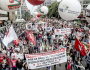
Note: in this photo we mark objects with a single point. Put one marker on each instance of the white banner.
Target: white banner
(50, 58)
(62, 31)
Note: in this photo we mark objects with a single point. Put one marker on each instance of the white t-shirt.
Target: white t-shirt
(45, 37)
(4, 51)
(14, 54)
(20, 55)
(17, 55)
(53, 36)
(61, 37)
(41, 48)
(18, 49)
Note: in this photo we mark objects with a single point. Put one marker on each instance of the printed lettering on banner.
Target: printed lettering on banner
(45, 59)
(62, 31)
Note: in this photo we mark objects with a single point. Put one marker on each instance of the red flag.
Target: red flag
(31, 38)
(79, 46)
(16, 41)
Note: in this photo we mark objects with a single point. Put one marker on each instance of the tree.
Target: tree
(27, 16)
(53, 10)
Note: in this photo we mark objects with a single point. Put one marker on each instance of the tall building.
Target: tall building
(22, 10)
(84, 4)
(3, 17)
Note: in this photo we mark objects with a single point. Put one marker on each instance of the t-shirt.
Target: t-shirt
(1, 59)
(53, 36)
(4, 52)
(13, 62)
(20, 55)
(13, 54)
(62, 38)
(18, 49)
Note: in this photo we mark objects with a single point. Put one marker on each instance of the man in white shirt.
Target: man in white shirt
(14, 53)
(61, 37)
(20, 55)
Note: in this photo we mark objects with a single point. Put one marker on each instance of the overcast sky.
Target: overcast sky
(33, 8)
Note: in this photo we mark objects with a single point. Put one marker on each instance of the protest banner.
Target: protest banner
(45, 59)
(28, 26)
(62, 31)
(49, 29)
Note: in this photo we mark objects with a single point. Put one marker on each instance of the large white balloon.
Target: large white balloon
(44, 10)
(69, 9)
(10, 5)
(87, 13)
(35, 13)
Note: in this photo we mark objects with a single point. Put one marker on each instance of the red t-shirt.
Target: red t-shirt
(69, 65)
(1, 59)
(40, 36)
(13, 62)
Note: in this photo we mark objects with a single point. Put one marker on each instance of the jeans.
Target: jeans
(19, 69)
(48, 67)
(4, 69)
(14, 68)
(88, 67)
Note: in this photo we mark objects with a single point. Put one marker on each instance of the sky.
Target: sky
(33, 8)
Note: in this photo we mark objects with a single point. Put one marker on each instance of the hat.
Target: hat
(13, 55)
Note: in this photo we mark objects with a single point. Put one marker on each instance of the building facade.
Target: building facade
(3, 17)
(84, 4)
(22, 10)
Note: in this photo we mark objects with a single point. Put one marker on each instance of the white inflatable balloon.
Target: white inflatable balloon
(88, 13)
(10, 5)
(35, 14)
(44, 10)
(69, 9)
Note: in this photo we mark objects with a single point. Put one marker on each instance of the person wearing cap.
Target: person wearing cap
(21, 55)
(19, 64)
(13, 63)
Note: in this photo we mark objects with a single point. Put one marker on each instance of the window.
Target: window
(3, 15)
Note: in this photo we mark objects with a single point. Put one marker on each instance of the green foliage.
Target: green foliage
(53, 10)
(27, 16)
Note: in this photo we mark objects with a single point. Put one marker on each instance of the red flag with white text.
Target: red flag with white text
(80, 47)
(31, 38)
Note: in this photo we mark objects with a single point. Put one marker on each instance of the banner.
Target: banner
(49, 29)
(45, 59)
(62, 31)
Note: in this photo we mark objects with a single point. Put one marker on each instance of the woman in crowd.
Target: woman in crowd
(19, 64)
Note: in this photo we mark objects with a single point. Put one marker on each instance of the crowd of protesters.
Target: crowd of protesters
(14, 56)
